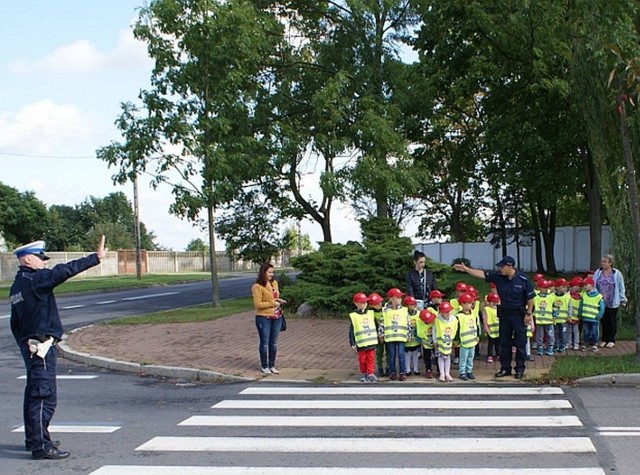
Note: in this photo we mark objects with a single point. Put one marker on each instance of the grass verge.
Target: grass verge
(199, 313)
(102, 284)
(569, 368)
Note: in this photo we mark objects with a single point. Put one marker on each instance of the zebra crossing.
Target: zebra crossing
(377, 430)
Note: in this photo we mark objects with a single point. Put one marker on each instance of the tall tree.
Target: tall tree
(204, 119)
(23, 217)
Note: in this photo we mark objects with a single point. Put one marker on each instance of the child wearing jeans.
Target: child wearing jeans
(363, 337)
(395, 330)
(468, 335)
(591, 311)
(445, 327)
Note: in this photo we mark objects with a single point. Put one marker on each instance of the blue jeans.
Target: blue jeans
(268, 331)
(465, 364)
(561, 336)
(396, 350)
(590, 331)
(549, 332)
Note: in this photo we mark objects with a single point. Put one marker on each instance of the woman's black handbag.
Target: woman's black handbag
(283, 326)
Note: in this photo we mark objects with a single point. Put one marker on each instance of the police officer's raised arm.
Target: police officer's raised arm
(479, 273)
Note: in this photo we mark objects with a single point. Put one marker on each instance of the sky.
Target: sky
(65, 68)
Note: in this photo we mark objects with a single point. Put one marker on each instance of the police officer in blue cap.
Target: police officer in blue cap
(36, 326)
(514, 313)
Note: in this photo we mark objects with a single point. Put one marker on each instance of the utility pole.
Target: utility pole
(136, 214)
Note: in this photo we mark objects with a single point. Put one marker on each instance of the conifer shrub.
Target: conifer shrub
(330, 276)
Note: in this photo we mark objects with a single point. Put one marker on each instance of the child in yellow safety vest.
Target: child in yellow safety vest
(382, 357)
(467, 334)
(412, 346)
(573, 322)
(561, 312)
(425, 329)
(491, 326)
(543, 315)
(363, 337)
(395, 331)
(591, 311)
(445, 327)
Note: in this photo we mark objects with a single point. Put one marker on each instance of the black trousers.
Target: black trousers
(609, 325)
(512, 329)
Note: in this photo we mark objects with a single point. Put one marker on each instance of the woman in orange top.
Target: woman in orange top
(267, 302)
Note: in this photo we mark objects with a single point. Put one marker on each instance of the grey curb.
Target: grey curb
(618, 379)
(189, 374)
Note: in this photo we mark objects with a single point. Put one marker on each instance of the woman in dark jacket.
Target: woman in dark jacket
(420, 281)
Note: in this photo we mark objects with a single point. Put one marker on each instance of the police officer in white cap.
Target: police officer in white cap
(36, 326)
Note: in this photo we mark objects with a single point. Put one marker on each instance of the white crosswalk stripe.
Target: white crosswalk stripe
(491, 428)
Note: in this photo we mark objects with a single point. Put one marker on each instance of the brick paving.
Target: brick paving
(311, 349)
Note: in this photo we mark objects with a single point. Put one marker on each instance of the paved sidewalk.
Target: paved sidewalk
(315, 350)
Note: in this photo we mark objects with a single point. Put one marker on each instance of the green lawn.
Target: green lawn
(570, 368)
(199, 313)
(79, 285)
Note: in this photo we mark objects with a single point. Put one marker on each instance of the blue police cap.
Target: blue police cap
(506, 261)
(36, 247)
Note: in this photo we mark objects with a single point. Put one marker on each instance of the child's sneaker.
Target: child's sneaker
(576, 347)
(471, 376)
(610, 344)
(530, 357)
(583, 348)
(463, 376)
(363, 378)
(403, 377)
(393, 376)
(539, 352)
(442, 378)
(428, 374)
(417, 373)
(489, 359)
(372, 378)
(601, 344)
(448, 377)
(594, 349)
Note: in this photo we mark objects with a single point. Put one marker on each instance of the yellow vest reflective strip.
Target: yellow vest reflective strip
(492, 321)
(468, 329)
(425, 330)
(561, 307)
(591, 307)
(543, 309)
(414, 342)
(529, 331)
(396, 324)
(364, 328)
(445, 331)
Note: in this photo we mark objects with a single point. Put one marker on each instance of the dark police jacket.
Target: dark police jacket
(34, 312)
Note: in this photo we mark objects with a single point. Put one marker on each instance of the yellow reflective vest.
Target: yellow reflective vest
(492, 321)
(561, 307)
(468, 326)
(413, 341)
(364, 328)
(543, 309)
(396, 324)
(590, 306)
(425, 330)
(445, 331)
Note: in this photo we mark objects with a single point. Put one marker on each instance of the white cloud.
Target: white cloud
(82, 56)
(45, 127)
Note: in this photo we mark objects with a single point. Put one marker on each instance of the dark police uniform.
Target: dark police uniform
(34, 315)
(514, 294)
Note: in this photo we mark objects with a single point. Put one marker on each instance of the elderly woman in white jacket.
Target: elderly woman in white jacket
(610, 283)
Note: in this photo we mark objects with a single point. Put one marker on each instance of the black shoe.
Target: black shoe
(53, 454)
(54, 443)
(471, 376)
(519, 375)
(502, 373)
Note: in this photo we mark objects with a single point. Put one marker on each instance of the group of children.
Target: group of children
(394, 336)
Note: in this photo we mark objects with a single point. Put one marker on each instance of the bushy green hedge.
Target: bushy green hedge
(330, 276)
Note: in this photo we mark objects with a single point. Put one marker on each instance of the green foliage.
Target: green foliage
(330, 276)
(461, 260)
(23, 218)
(197, 245)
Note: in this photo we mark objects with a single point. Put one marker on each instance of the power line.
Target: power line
(47, 156)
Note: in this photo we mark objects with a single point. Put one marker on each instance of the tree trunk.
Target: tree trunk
(215, 287)
(502, 225)
(548, 229)
(594, 201)
(634, 206)
(537, 239)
